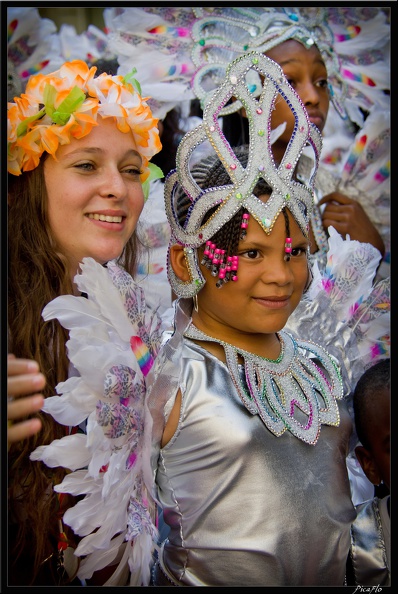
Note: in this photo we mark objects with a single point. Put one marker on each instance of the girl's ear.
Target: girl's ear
(178, 262)
(368, 464)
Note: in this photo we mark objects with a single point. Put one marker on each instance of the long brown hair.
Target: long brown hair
(37, 273)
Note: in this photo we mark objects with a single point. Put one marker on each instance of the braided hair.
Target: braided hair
(209, 173)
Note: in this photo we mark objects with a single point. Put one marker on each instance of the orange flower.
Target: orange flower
(65, 104)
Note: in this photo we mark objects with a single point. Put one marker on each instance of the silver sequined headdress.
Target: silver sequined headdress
(229, 199)
(174, 47)
(353, 43)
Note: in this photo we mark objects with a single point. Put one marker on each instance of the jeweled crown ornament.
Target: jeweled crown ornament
(228, 199)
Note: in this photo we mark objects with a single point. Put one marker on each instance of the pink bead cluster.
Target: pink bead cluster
(244, 225)
(214, 260)
(288, 248)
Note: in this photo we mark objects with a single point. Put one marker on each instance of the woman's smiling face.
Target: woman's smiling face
(94, 193)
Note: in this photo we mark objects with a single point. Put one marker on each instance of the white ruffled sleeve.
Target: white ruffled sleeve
(344, 310)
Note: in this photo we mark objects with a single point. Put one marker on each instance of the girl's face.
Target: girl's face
(267, 291)
(95, 195)
(306, 72)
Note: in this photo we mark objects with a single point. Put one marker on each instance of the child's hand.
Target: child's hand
(349, 218)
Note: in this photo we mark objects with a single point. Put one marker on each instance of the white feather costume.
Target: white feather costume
(113, 341)
(110, 465)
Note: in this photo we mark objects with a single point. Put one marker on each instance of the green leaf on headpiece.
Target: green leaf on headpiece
(23, 126)
(154, 173)
(128, 78)
(70, 104)
(49, 95)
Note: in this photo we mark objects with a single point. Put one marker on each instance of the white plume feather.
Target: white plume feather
(107, 462)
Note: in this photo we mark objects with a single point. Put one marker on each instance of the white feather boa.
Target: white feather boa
(113, 341)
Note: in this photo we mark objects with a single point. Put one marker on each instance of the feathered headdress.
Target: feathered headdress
(31, 41)
(351, 41)
(192, 47)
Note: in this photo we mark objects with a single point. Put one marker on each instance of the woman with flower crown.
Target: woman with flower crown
(79, 150)
(247, 427)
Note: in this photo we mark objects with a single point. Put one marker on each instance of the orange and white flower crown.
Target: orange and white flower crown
(65, 104)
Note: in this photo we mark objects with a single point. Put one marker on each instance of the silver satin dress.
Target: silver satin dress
(244, 507)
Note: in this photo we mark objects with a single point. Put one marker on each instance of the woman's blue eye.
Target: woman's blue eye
(86, 166)
(132, 171)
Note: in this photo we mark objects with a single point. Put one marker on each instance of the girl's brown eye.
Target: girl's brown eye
(251, 254)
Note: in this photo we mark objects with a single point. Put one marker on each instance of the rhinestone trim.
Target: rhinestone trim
(274, 389)
(287, 192)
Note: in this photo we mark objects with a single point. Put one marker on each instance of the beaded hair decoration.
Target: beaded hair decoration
(227, 200)
(66, 103)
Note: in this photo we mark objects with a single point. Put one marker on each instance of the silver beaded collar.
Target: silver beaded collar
(294, 385)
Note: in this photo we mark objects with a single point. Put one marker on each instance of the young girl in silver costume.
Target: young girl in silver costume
(252, 456)
(247, 429)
